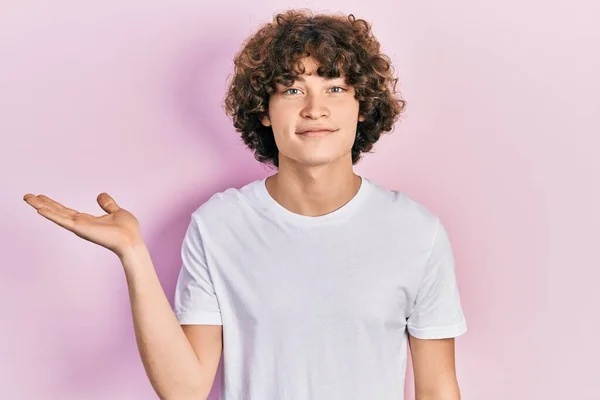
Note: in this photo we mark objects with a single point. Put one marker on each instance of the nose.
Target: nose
(315, 107)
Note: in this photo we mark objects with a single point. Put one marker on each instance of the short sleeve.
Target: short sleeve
(195, 301)
(437, 311)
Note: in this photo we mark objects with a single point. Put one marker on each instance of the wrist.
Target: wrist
(134, 254)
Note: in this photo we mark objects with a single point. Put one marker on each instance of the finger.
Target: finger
(107, 203)
(66, 210)
(58, 218)
(38, 202)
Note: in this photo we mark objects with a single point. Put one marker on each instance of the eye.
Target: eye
(287, 90)
(339, 87)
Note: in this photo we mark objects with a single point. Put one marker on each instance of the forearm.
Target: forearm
(445, 394)
(168, 357)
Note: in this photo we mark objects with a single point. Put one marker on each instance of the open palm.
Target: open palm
(116, 231)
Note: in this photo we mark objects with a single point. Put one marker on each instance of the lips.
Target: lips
(317, 132)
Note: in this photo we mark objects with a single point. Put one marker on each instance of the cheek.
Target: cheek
(349, 107)
(349, 115)
(280, 115)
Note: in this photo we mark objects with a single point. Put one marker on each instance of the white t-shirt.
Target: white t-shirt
(317, 308)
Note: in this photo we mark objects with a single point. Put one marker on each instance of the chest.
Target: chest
(319, 280)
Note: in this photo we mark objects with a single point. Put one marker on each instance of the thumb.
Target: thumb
(107, 203)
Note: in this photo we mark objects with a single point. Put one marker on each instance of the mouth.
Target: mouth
(317, 133)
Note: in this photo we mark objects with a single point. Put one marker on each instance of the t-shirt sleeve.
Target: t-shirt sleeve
(195, 301)
(437, 311)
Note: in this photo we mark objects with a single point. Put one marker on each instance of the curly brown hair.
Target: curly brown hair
(342, 46)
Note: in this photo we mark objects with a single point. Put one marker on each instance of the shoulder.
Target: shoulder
(226, 206)
(405, 212)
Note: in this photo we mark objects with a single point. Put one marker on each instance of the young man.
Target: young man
(314, 274)
(313, 282)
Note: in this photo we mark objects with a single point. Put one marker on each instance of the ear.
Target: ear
(361, 118)
(265, 120)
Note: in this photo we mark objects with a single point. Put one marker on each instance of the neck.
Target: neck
(314, 190)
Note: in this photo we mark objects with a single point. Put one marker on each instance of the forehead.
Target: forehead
(310, 66)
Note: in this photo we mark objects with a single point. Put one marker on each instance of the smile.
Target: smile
(316, 133)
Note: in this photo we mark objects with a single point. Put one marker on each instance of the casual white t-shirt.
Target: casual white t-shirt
(317, 308)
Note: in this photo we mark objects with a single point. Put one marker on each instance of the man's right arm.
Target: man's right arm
(180, 361)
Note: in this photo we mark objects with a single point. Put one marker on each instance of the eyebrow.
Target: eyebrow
(300, 78)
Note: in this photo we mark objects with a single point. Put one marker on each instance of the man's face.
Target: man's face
(313, 102)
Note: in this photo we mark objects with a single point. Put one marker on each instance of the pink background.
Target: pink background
(500, 139)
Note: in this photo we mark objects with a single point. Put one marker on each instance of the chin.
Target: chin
(316, 160)
(314, 156)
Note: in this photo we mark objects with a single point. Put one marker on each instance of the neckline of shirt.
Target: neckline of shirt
(344, 211)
